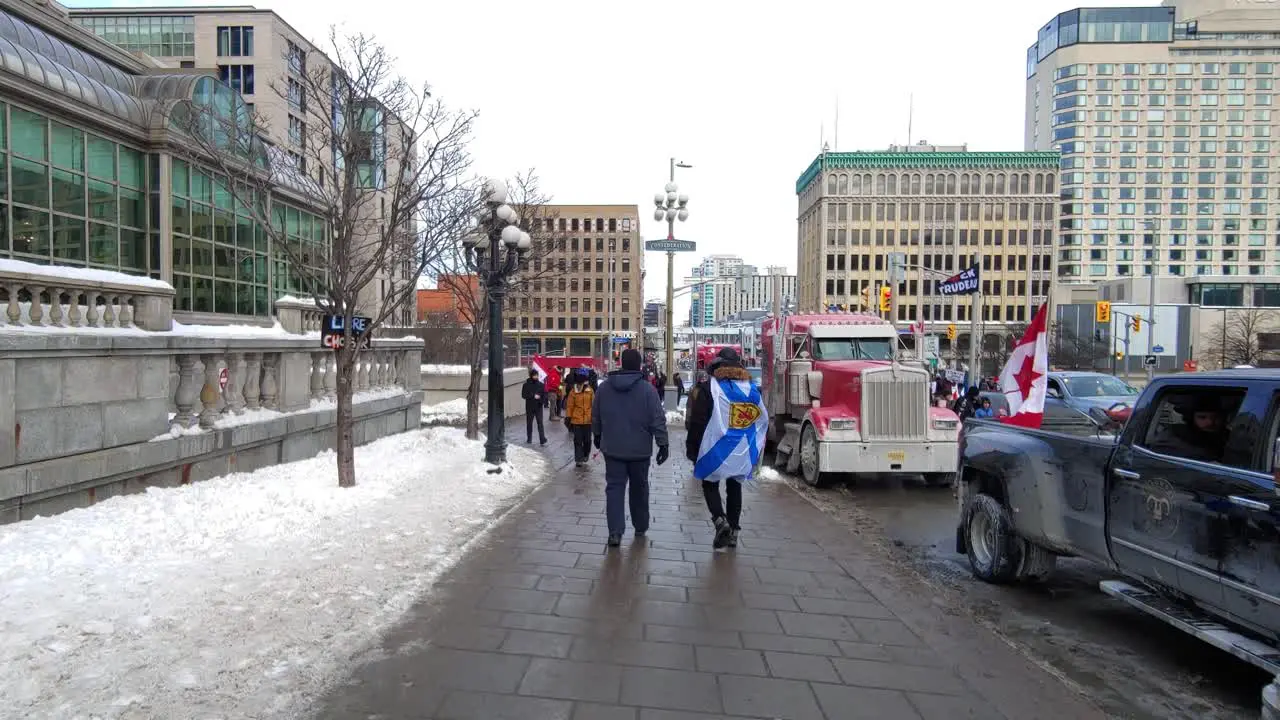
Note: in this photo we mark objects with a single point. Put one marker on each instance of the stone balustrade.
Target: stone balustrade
(299, 315)
(73, 298)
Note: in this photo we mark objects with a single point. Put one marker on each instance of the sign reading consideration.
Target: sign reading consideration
(670, 245)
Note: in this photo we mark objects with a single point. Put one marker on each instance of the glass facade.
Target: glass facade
(71, 197)
(155, 35)
(220, 253)
(1101, 25)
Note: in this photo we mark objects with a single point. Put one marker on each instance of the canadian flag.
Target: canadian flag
(1024, 379)
(540, 364)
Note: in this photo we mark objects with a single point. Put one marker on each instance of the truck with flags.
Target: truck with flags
(1180, 501)
(840, 402)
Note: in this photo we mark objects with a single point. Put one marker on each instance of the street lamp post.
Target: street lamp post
(493, 251)
(1151, 228)
(671, 206)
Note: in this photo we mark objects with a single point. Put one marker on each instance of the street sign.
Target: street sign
(1150, 360)
(897, 267)
(222, 379)
(1157, 349)
(931, 343)
(670, 245)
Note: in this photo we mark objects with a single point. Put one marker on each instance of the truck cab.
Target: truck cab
(841, 403)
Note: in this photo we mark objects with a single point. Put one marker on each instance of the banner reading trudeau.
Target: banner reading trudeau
(966, 283)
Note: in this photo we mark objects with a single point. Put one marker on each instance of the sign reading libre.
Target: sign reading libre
(331, 333)
(966, 283)
(670, 245)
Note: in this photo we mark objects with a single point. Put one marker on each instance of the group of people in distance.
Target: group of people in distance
(622, 416)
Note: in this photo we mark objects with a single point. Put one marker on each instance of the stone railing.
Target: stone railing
(299, 315)
(72, 298)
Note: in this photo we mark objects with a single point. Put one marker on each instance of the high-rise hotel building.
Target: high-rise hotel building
(1165, 118)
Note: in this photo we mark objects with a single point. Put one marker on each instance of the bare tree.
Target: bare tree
(451, 271)
(378, 158)
(999, 345)
(1235, 340)
(1070, 350)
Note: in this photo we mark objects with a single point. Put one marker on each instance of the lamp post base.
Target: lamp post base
(495, 453)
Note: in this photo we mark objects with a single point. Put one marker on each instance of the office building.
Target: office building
(583, 292)
(655, 314)
(723, 285)
(1164, 117)
(89, 179)
(940, 210)
(261, 56)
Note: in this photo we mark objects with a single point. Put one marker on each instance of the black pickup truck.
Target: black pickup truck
(1181, 503)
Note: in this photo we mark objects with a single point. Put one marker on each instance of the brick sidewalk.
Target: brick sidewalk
(541, 622)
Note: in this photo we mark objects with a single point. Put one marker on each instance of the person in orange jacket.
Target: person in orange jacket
(577, 416)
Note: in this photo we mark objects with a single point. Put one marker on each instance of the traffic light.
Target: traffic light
(866, 297)
(951, 332)
(1119, 354)
(1102, 312)
(886, 297)
(1137, 324)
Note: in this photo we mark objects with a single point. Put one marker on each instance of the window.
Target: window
(297, 58)
(297, 131)
(239, 77)
(1196, 424)
(163, 36)
(235, 41)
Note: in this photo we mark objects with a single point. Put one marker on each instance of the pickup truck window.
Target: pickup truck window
(1090, 386)
(852, 349)
(1193, 423)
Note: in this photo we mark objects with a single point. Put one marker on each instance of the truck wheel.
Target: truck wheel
(940, 480)
(1037, 564)
(994, 550)
(809, 459)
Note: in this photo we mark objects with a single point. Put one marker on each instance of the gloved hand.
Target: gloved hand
(664, 452)
(596, 439)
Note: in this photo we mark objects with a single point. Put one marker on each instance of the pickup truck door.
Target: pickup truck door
(1251, 563)
(1168, 497)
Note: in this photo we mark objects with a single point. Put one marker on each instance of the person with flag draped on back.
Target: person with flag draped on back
(726, 423)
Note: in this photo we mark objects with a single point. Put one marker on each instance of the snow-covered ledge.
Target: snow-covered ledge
(70, 297)
(298, 315)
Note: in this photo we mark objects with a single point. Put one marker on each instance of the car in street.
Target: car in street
(1085, 391)
(1181, 503)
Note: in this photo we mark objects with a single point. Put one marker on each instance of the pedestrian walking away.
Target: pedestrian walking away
(535, 396)
(581, 397)
(553, 385)
(679, 383)
(627, 420)
(727, 424)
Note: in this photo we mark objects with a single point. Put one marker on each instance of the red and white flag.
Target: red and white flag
(1025, 377)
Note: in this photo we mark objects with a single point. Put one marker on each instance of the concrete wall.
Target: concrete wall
(64, 483)
(440, 388)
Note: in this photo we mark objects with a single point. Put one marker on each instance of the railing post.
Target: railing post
(331, 376)
(317, 375)
(55, 307)
(235, 383)
(36, 313)
(184, 398)
(13, 312)
(270, 382)
(210, 395)
(252, 386)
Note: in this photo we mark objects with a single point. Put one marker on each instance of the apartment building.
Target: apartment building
(723, 285)
(943, 211)
(583, 293)
(1164, 117)
(261, 56)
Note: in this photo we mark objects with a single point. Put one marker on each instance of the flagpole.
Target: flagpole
(919, 327)
(975, 309)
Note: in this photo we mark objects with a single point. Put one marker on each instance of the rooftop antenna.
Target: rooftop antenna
(822, 137)
(911, 112)
(837, 140)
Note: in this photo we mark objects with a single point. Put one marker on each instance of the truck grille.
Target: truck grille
(895, 408)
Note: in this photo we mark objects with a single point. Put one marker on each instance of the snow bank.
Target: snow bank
(83, 274)
(675, 416)
(765, 472)
(241, 596)
(230, 419)
(446, 413)
(448, 369)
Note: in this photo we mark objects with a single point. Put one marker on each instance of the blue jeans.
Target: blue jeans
(616, 475)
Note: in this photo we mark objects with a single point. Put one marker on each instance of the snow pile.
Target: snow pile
(675, 416)
(241, 596)
(449, 370)
(86, 275)
(275, 330)
(766, 472)
(451, 412)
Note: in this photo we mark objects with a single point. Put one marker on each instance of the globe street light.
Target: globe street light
(671, 206)
(494, 251)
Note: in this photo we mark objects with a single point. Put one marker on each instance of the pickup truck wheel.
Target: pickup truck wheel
(809, 459)
(1037, 564)
(995, 552)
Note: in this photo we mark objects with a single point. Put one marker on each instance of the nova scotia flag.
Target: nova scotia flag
(735, 435)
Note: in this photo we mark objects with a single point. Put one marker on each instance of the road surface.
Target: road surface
(1132, 665)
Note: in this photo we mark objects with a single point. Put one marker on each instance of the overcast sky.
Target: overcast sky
(598, 95)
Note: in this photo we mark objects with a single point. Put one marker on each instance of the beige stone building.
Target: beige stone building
(584, 291)
(261, 56)
(1165, 119)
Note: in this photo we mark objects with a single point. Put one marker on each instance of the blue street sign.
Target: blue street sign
(1158, 349)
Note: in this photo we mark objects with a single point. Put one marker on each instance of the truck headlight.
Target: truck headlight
(843, 424)
(945, 424)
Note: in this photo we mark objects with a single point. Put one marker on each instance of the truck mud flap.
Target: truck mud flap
(1252, 651)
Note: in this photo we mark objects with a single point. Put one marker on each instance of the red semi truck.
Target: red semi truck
(840, 402)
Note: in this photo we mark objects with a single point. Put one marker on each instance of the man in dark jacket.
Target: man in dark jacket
(534, 394)
(627, 420)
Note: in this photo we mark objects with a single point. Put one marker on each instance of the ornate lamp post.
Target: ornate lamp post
(671, 206)
(494, 253)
